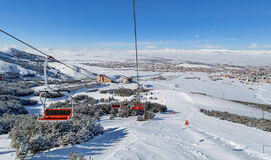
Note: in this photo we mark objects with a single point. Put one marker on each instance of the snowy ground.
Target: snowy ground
(9, 67)
(166, 136)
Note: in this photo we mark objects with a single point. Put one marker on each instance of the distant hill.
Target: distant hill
(20, 64)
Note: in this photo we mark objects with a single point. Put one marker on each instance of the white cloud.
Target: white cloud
(216, 56)
(6, 48)
(207, 46)
(196, 36)
(150, 46)
(230, 39)
(255, 45)
(266, 46)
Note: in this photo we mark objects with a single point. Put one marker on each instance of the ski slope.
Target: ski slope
(166, 136)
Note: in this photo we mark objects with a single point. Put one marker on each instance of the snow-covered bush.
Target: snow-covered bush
(17, 88)
(264, 107)
(109, 99)
(85, 99)
(84, 104)
(78, 156)
(30, 136)
(6, 120)
(23, 101)
(12, 107)
(7, 90)
(154, 107)
(87, 105)
(263, 124)
(80, 97)
(49, 94)
(123, 92)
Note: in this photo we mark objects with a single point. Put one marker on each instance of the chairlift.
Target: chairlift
(138, 106)
(53, 114)
(115, 106)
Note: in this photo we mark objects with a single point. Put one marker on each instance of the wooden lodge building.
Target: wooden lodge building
(103, 79)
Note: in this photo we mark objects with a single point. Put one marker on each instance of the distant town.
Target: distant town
(217, 72)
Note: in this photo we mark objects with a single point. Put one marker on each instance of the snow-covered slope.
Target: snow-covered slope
(20, 62)
(13, 68)
(77, 73)
(166, 136)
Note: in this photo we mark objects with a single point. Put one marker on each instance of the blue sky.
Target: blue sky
(180, 24)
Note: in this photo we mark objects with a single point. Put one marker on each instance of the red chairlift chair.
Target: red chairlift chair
(115, 106)
(57, 114)
(138, 106)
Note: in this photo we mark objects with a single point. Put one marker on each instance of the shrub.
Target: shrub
(23, 101)
(49, 94)
(263, 124)
(78, 156)
(154, 107)
(15, 91)
(90, 106)
(123, 92)
(6, 122)
(12, 107)
(30, 136)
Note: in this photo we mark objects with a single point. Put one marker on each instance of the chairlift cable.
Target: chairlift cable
(47, 55)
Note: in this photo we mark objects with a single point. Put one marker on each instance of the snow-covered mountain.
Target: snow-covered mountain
(14, 68)
(24, 64)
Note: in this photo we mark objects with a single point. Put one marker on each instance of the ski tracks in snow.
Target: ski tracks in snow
(261, 94)
(203, 143)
